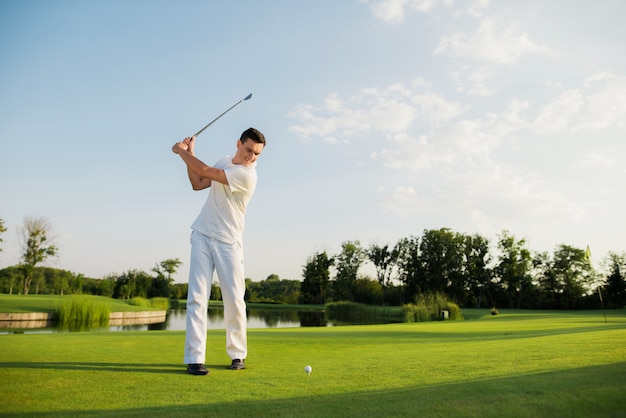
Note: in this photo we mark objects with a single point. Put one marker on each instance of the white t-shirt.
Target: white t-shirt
(222, 216)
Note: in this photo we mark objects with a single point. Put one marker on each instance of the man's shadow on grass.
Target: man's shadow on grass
(106, 367)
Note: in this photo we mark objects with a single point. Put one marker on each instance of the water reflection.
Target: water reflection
(257, 318)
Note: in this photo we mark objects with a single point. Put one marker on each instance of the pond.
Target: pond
(175, 321)
(257, 318)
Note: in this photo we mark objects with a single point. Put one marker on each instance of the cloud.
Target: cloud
(391, 110)
(556, 116)
(487, 197)
(476, 8)
(473, 80)
(393, 11)
(599, 104)
(465, 142)
(493, 42)
(492, 170)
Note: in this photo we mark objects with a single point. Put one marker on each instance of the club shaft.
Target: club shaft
(211, 123)
(225, 112)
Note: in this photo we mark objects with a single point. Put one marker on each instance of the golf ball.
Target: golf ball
(308, 369)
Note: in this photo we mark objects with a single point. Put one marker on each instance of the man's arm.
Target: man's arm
(200, 175)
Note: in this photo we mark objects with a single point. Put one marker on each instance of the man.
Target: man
(216, 245)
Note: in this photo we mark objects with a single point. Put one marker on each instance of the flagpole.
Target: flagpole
(588, 259)
(602, 302)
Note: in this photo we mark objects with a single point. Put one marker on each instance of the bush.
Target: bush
(429, 307)
(80, 313)
(160, 303)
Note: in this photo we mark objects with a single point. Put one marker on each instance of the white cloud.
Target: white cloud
(493, 41)
(392, 110)
(435, 109)
(393, 11)
(473, 80)
(477, 7)
(598, 105)
(495, 170)
(556, 117)
(467, 142)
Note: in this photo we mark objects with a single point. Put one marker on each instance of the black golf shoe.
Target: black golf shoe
(197, 369)
(238, 364)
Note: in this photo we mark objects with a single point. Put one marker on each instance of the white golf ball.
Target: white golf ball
(308, 369)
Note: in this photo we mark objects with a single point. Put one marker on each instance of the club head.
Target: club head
(248, 96)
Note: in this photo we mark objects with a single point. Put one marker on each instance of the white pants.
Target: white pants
(209, 255)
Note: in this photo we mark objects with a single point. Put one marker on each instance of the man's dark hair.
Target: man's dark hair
(253, 134)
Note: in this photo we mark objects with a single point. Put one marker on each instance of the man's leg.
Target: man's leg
(200, 277)
(229, 266)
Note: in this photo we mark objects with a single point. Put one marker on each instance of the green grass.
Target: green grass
(516, 364)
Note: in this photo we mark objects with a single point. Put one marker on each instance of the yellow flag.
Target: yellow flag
(588, 255)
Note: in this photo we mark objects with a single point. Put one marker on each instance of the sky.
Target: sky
(382, 118)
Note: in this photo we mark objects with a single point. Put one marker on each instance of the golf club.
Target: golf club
(227, 110)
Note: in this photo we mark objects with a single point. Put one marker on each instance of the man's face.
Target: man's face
(247, 152)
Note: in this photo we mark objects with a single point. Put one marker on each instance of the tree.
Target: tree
(567, 277)
(100, 287)
(408, 263)
(384, 260)
(315, 285)
(478, 273)
(164, 270)
(3, 229)
(36, 246)
(513, 269)
(441, 263)
(615, 284)
(134, 283)
(368, 291)
(274, 290)
(347, 264)
(167, 268)
(576, 273)
(10, 277)
(549, 286)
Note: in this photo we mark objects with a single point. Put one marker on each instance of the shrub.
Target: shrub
(160, 303)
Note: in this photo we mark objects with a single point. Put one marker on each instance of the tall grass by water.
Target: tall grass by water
(80, 313)
(431, 307)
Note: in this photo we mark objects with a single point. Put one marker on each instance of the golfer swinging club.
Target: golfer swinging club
(216, 245)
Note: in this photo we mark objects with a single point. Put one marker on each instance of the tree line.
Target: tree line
(463, 267)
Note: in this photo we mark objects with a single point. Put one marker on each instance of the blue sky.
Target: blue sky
(383, 118)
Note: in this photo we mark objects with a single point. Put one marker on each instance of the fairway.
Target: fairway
(518, 364)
